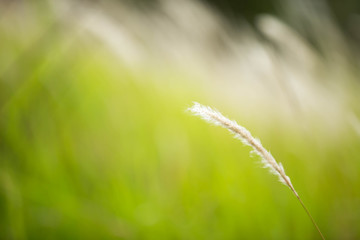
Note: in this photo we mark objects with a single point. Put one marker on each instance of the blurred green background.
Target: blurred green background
(95, 147)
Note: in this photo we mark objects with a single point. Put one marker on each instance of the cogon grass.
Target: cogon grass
(215, 117)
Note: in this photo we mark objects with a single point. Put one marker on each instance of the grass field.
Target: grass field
(91, 148)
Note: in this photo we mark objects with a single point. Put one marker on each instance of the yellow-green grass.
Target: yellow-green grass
(92, 149)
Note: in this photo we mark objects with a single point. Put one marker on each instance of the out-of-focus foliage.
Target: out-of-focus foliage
(92, 147)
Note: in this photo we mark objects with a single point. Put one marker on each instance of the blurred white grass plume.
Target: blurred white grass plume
(215, 117)
(231, 62)
(304, 82)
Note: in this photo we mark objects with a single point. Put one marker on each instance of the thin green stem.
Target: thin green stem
(308, 213)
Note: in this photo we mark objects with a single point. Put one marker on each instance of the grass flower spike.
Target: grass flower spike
(215, 117)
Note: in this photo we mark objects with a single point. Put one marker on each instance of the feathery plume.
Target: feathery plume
(215, 117)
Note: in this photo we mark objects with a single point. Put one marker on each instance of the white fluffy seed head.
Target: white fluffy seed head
(268, 161)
